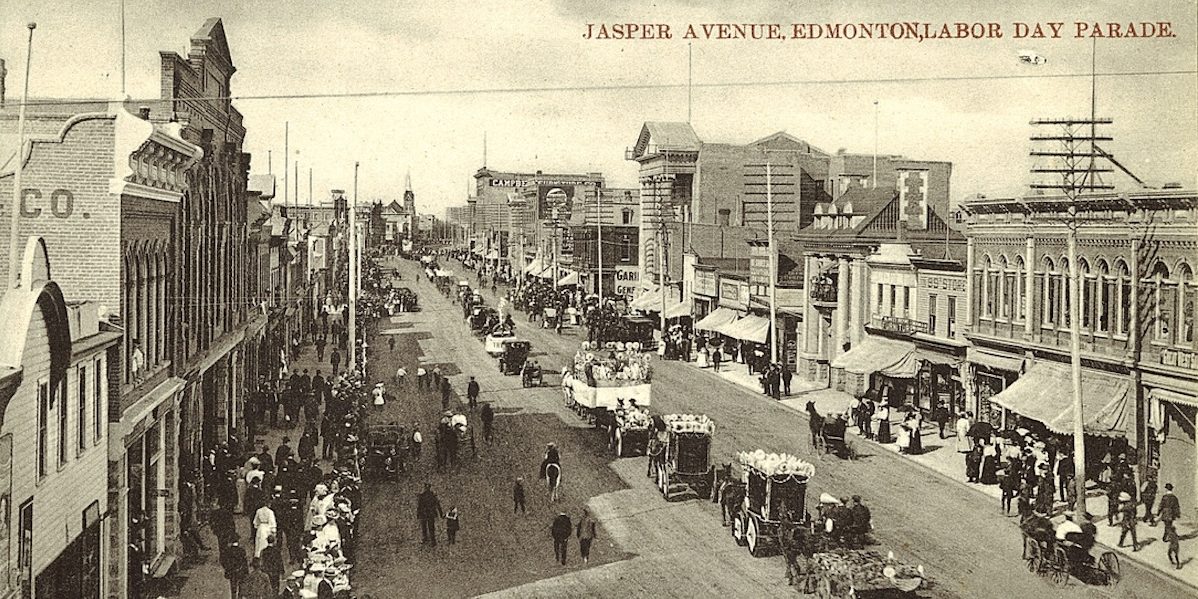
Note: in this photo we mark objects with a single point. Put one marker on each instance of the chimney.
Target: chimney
(143, 112)
(3, 74)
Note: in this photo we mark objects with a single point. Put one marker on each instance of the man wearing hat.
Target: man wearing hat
(560, 531)
(428, 511)
(234, 564)
(258, 584)
(1127, 519)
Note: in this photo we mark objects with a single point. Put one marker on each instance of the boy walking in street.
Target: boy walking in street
(518, 496)
(452, 523)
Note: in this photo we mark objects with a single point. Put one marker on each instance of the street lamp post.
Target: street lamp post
(353, 275)
(773, 268)
(599, 241)
(15, 209)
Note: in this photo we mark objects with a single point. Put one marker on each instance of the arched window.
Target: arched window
(1163, 301)
(1123, 286)
(1064, 290)
(989, 287)
(1049, 293)
(1187, 305)
(1083, 271)
(1102, 296)
(1005, 288)
(1020, 291)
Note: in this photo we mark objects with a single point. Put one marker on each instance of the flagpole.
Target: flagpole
(15, 209)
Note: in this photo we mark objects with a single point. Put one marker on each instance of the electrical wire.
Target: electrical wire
(618, 87)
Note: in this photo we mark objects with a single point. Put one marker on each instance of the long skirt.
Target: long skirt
(883, 435)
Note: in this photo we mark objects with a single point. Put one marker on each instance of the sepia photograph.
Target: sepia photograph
(383, 299)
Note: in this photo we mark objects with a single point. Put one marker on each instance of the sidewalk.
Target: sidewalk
(941, 457)
(204, 577)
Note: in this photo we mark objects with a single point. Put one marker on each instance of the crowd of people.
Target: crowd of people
(621, 365)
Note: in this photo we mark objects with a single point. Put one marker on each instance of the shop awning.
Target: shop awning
(677, 310)
(1044, 394)
(995, 361)
(717, 319)
(888, 357)
(935, 357)
(535, 267)
(647, 300)
(749, 328)
(571, 278)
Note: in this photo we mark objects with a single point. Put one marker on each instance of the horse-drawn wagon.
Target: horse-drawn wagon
(775, 488)
(861, 573)
(385, 450)
(680, 455)
(628, 428)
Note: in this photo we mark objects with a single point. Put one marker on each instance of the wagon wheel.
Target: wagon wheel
(1060, 567)
(618, 446)
(753, 538)
(1109, 563)
(824, 589)
(738, 532)
(850, 450)
(1032, 554)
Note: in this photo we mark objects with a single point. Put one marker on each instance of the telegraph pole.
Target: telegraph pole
(353, 274)
(599, 240)
(15, 208)
(773, 268)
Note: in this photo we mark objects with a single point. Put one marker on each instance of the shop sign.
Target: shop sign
(734, 294)
(628, 279)
(705, 283)
(945, 283)
(1179, 358)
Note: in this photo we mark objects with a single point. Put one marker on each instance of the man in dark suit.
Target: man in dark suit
(1170, 509)
(428, 510)
(472, 391)
(561, 530)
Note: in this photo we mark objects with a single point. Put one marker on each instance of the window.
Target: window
(43, 416)
(25, 548)
(1187, 301)
(878, 305)
(932, 313)
(83, 401)
(723, 216)
(1103, 296)
(1124, 301)
(1049, 294)
(625, 249)
(626, 216)
(1163, 300)
(99, 394)
(893, 296)
(1020, 291)
(64, 414)
(952, 316)
(993, 291)
(906, 301)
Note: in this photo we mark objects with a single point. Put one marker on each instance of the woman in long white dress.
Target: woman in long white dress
(265, 526)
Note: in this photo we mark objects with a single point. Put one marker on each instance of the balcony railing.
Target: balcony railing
(903, 326)
(824, 292)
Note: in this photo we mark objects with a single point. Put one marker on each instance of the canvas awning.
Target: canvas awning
(647, 300)
(935, 357)
(888, 357)
(717, 319)
(535, 267)
(749, 328)
(571, 278)
(1044, 394)
(994, 361)
(677, 310)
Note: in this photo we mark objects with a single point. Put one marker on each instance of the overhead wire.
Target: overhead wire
(620, 87)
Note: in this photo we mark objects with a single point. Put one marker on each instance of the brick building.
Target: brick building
(103, 189)
(1136, 256)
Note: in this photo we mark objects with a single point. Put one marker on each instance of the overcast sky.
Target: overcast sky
(314, 47)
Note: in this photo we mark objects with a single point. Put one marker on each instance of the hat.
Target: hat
(316, 567)
(828, 499)
(1124, 496)
(1168, 486)
(322, 489)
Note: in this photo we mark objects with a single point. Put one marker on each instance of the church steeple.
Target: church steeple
(409, 206)
(407, 182)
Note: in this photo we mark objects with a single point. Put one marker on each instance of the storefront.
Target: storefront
(881, 367)
(992, 373)
(705, 291)
(938, 379)
(1171, 446)
(76, 571)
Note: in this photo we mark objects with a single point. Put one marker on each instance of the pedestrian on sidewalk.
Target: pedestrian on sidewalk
(452, 525)
(234, 564)
(585, 530)
(518, 496)
(472, 391)
(488, 418)
(335, 361)
(437, 377)
(715, 358)
(1065, 474)
(257, 583)
(272, 563)
(964, 441)
(428, 511)
(1128, 519)
(400, 373)
(445, 390)
(1148, 496)
(320, 343)
(560, 531)
(421, 376)
(1170, 507)
(787, 375)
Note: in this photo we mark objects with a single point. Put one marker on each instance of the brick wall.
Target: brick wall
(67, 203)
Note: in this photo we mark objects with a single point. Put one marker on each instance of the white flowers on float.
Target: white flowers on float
(689, 423)
(776, 464)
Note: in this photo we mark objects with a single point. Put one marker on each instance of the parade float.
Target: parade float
(601, 378)
(681, 456)
(775, 488)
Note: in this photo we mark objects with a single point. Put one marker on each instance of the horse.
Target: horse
(723, 474)
(732, 494)
(816, 423)
(553, 480)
